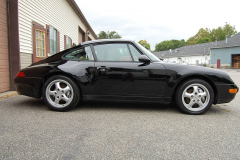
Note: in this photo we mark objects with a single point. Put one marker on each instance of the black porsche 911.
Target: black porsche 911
(122, 70)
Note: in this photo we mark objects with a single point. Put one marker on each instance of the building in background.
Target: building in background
(227, 55)
(218, 54)
(186, 56)
(33, 30)
(198, 54)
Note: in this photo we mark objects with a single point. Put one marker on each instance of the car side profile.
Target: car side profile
(122, 70)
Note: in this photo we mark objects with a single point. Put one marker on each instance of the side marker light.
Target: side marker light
(233, 90)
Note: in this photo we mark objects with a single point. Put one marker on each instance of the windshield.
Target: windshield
(148, 53)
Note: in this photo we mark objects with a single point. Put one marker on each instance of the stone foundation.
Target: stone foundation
(224, 66)
(25, 60)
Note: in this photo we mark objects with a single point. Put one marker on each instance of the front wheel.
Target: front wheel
(195, 96)
(60, 93)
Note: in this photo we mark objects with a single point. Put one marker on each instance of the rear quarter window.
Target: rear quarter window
(81, 54)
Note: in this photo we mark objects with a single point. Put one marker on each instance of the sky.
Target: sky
(159, 20)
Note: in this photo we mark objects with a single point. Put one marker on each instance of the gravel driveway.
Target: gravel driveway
(104, 130)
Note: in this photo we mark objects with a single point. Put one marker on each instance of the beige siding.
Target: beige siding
(4, 61)
(57, 13)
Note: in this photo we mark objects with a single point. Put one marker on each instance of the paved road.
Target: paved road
(28, 130)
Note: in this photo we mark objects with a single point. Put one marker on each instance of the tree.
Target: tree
(200, 34)
(203, 36)
(145, 44)
(215, 34)
(108, 35)
(191, 41)
(222, 32)
(229, 30)
(172, 44)
(102, 35)
(203, 40)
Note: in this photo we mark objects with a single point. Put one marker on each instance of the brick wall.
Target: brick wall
(4, 62)
(26, 60)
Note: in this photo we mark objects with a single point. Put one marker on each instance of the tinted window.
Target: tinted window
(135, 53)
(112, 52)
(84, 53)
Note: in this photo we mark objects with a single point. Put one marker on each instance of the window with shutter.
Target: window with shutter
(68, 42)
(53, 40)
(40, 43)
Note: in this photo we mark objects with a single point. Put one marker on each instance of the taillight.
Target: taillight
(20, 74)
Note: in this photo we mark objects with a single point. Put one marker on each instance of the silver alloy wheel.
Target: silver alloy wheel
(195, 97)
(59, 93)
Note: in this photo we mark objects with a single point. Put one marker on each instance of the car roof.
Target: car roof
(105, 40)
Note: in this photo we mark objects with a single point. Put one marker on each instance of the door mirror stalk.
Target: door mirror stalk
(144, 59)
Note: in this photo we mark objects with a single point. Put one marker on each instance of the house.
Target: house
(33, 30)
(191, 55)
(199, 54)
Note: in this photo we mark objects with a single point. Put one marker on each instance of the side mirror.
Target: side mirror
(144, 59)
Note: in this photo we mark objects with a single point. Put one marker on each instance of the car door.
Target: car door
(119, 71)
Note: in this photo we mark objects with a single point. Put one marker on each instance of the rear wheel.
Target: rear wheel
(195, 96)
(60, 93)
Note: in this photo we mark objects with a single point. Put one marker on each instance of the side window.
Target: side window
(84, 53)
(112, 52)
(135, 53)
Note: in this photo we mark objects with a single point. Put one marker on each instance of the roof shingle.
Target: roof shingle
(199, 49)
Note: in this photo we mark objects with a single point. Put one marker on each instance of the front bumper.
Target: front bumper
(223, 95)
(28, 86)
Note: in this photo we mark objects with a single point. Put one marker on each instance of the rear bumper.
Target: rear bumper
(28, 86)
(223, 95)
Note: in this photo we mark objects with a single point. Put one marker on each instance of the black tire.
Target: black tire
(58, 98)
(190, 96)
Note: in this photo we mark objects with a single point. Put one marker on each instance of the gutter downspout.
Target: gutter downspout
(11, 87)
(13, 40)
(86, 34)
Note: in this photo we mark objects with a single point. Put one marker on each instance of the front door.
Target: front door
(121, 73)
(39, 42)
(218, 63)
(131, 78)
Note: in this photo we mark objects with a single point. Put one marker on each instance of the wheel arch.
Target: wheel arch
(197, 76)
(46, 77)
